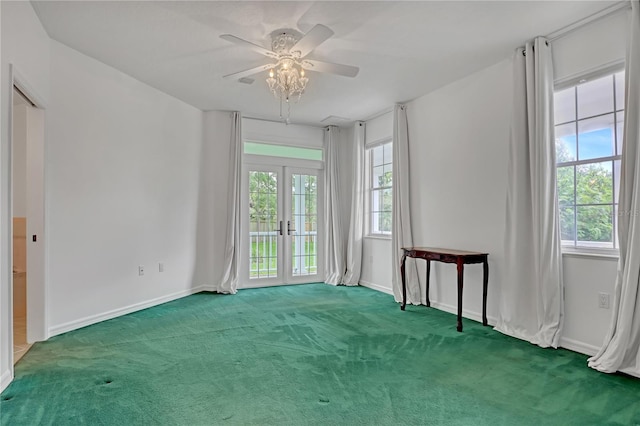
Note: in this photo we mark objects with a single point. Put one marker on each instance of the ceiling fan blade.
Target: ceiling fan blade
(314, 38)
(246, 73)
(256, 48)
(340, 69)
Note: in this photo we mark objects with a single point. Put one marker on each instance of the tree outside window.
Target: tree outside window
(588, 130)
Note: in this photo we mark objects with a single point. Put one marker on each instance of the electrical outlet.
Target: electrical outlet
(603, 300)
(141, 270)
(161, 267)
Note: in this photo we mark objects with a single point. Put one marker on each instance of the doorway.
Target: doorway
(27, 209)
(282, 229)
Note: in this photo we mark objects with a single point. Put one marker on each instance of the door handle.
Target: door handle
(279, 230)
(289, 230)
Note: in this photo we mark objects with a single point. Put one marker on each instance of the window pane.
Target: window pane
(594, 183)
(375, 222)
(619, 90)
(620, 130)
(566, 186)
(378, 177)
(388, 153)
(257, 148)
(565, 105)
(387, 175)
(565, 143)
(595, 97)
(377, 156)
(595, 225)
(567, 225)
(595, 137)
(385, 222)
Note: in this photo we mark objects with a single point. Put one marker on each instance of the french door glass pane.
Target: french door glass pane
(263, 210)
(304, 215)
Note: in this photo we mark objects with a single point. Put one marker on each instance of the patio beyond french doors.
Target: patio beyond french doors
(282, 237)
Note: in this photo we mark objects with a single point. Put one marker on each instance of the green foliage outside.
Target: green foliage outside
(264, 261)
(593, 185)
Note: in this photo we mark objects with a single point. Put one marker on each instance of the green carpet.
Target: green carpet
(306, 355)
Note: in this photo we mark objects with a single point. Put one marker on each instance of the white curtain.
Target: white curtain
(356, 227)
(531, 305)
(621, 348)
(401, 235)
(229, 281)
(334, 239)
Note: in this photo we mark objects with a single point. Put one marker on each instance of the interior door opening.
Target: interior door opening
(27, 209)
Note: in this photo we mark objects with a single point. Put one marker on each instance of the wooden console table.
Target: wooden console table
(460, 258)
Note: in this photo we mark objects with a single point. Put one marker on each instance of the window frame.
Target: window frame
(369, 210)
(574, 82)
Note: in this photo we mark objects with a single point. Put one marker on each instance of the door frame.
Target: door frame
(287, 166)
(37, 290)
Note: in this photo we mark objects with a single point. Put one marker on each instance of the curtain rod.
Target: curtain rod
(604, 13)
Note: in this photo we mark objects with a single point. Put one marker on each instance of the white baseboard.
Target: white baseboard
(376, 287)
(6, 379)
(93, 319)
(472, 315)
(580, 347)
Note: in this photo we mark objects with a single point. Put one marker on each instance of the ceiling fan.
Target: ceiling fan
(289, 48)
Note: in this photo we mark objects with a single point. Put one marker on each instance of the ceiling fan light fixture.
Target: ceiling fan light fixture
(287, 81)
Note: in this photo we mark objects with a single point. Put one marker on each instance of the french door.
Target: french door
(282, 241)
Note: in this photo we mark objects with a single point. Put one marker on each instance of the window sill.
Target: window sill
(378, 237)
(590, 254)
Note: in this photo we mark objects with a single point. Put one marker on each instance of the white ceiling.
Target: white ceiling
(403, 49)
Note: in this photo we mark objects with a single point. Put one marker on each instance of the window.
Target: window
(379, 166)
(589, 121)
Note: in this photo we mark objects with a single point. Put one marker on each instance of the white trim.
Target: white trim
(6, 379)
(615, 8)
(376, 287)
(472, 315)
(269, 160)
(603, 70)
(266, 285)
(580, 347)
(378, 142)
(93, 319)
(613, 256)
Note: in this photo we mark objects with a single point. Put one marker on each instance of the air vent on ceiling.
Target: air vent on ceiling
(246, 80)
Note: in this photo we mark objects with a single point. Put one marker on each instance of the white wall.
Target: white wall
(458, 156)
(376, 252)
(458, 159)
(26, 45)
(123, 190)
(589, 48)
(19, 162)
(598, 44)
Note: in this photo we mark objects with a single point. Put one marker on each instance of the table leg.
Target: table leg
(404, 284)
(460, 275)
(485, 284)
(428, 275)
